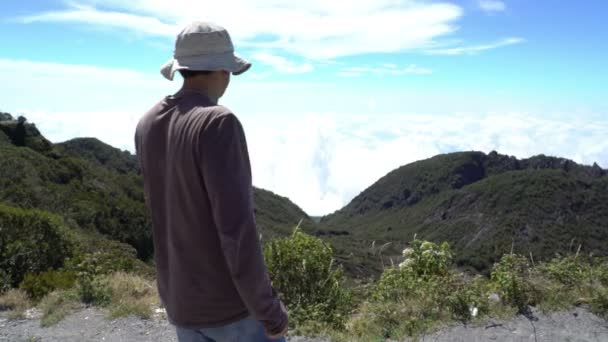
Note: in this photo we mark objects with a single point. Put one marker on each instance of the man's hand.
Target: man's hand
(284, 332)
(277, 336)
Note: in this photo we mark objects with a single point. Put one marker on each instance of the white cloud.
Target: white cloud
(416, 70)
(258, 76)
(282, 64)
(316, 29)
(320, 161)
(343, 155)
(385, 69)
(32, 85)
(89, 15)
(349, 74)
(492, 5)
(471, 50)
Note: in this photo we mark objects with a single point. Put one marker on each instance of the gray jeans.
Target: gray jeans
(246, 330)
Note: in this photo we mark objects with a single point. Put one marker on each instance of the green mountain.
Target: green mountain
(98, 188)
(100, 154)
(484, 205)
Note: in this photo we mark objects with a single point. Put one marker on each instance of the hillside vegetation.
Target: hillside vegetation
(74, 231)
(484, 205)
(98, 188)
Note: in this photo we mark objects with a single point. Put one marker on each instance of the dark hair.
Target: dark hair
(186, 74)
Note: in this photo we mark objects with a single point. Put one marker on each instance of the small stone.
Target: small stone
(494, 297)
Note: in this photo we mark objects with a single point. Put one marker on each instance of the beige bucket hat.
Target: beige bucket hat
(204, 46)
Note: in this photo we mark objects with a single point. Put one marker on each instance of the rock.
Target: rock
(597, 171)
(494, 297)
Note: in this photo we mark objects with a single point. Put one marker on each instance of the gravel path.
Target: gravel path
(91, 325)
(574, 325)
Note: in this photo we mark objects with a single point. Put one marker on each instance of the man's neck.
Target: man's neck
(200, 88)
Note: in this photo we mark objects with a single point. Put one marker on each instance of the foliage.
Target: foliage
(58, 304)
(599, 302)
(425, 258)
(568, 270)
(425, 262)
(14, 300)
(95, 151)
(418, 294)
(99, 188)
(274, 215)
(31, 241)
(93, 290)
(481, 204)
(39, 285)
(130, 294)
(90, 269)
(302, 269)
(512, 274)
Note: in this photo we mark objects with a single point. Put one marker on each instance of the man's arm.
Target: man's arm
(227, 176)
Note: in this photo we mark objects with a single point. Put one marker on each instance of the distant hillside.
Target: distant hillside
(99, 188)
(100, 153)
(482, 204)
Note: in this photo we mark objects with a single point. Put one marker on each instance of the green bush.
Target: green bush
(512, 276)
(425, 264)
(601, 272)
(469, 298)
(39, 285)
(31, 241)
(302, 269)
(599, 303)
(418, 294)
(57, 305)
(91, 268)
(569, 271)
(94, 290)
(426, 258)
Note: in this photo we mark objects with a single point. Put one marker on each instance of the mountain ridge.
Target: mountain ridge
(483, 204)
(95, 186)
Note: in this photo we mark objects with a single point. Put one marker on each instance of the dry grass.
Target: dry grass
(16, 302)
(58, 304)
(131, 295)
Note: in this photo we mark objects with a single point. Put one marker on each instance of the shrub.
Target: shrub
(31, 241)
(418, 294)
(469, 298)
(425, 264)
(426, 258)
(130, 294)
(302, 269)
(511, 274)
(601, 272)
(570, 271)
(58, 304)
(599, 302)
(14, 299)
(39, 285)
(378, 321)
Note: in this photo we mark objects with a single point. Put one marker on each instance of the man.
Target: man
(211, 274)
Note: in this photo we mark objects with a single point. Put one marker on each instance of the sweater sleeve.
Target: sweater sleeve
(226, 172)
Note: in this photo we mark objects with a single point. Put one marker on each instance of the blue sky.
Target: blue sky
(341, 92)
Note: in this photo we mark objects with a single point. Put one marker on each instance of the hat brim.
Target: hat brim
(227, 61)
